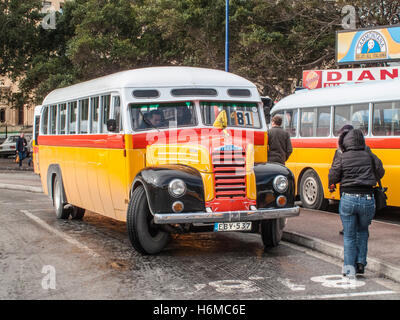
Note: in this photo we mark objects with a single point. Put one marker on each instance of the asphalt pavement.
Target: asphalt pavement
(316, 230)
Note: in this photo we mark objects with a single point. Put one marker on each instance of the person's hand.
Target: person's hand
(332, 188)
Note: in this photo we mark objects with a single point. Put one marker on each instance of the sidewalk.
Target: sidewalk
(9, 164)
(317, 230)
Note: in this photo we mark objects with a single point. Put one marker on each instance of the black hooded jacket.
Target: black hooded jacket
(352, 167)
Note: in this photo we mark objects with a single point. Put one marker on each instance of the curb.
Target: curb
(16, 169)
(21, 188)
(375, 265)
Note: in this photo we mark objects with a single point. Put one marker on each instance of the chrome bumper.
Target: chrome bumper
(227, 216)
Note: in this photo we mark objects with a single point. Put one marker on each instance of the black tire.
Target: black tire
(145, 237)
(77, 213)
(59, 205)
(312, 192)
(272, 231)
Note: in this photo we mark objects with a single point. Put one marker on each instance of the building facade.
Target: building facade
(13, 120)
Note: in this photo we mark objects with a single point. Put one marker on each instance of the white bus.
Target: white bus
(314, 117)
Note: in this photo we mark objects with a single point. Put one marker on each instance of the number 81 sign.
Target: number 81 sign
(243, 118)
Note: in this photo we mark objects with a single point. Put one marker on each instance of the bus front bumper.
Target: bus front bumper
(226, 216)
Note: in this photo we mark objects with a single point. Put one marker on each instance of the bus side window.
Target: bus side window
(94, 117)
(324, 121)
(290, 123)
(36, 128)
(117, 112)
(356, 115)
(307, 122)
(386, 120)
(63, 114)
(72, 117)
(53, 119)
(84, 115)
(342, 117)
(106, 111)
(45, 118)
(360, 117)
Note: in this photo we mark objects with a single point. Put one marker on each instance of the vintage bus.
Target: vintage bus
(166, 149)
(313, 119)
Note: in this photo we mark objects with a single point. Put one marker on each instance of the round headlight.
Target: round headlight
(281, 183)
(177, 188)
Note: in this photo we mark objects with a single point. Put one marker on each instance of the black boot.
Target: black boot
(359, 268)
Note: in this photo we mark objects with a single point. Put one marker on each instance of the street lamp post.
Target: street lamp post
(227, 36)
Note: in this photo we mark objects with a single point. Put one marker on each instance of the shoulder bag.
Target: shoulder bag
(379, 191)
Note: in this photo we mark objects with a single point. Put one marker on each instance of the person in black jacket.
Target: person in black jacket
(353, 169)
(21, 147)
(342, 133)
(279, 144)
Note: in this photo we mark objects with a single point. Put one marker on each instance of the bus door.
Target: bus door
(113, 170)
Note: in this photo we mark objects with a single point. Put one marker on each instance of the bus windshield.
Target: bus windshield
(162, 115)
(239, 114)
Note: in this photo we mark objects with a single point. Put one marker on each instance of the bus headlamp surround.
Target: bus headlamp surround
(177, 188)
(280, 183)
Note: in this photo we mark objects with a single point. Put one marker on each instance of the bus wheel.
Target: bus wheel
(311, 191)
(77, 213)
(145, 237)
(272, 231)
(61, 212)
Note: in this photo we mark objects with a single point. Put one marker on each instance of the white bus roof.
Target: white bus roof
(153, 78)
(379, 91)
(38, 110)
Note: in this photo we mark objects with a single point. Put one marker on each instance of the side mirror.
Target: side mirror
(267, 114)
(267, 106)
(112, 125)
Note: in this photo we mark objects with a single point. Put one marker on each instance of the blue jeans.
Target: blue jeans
(22, 156)
(356, 213)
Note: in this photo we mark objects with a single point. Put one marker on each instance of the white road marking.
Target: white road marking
(60, 234)
(234, 286)
(292, 286)
(346, 295)
(338, 281)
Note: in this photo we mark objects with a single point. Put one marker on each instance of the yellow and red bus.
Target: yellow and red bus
(166, 149)
(313, 119)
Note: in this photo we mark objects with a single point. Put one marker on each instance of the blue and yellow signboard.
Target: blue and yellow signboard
(368, 45)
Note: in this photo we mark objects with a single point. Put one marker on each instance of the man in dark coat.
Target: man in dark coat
(279, 144)
(20, 147)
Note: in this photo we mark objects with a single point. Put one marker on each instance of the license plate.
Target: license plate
(232, 226)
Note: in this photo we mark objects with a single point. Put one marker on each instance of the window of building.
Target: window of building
(2, 115)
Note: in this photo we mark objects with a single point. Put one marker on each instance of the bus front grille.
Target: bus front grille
(230, 174)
